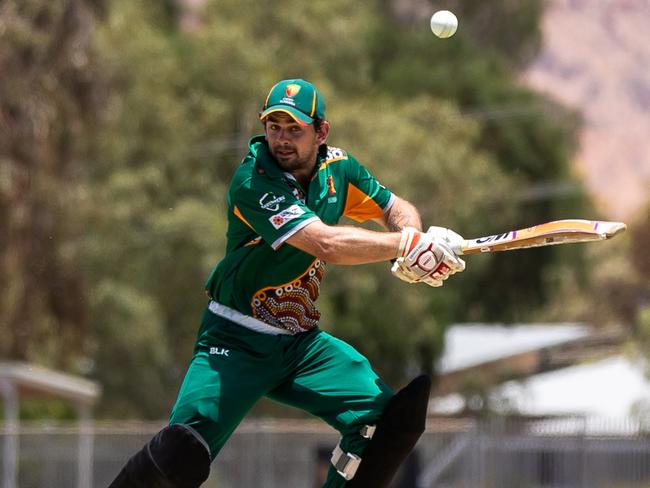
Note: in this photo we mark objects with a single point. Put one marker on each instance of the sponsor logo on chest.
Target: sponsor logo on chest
(289, 213)
(270, 202)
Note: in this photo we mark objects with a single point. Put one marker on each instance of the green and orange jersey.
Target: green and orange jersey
(260, 275)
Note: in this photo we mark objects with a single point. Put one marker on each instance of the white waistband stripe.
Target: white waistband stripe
(245, 320)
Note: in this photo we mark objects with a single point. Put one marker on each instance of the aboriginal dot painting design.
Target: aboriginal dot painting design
(291, 306)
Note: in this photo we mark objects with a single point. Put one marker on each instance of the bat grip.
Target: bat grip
(457, 248)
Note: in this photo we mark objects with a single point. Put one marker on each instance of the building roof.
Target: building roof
(468, 345)
(604, 384)
(612, 387)
(37, 381)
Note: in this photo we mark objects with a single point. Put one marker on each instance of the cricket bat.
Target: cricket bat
(556, 232)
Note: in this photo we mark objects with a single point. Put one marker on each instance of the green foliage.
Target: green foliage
(640, 235)
(48, 105)
(616, 291)
(157, 214)
(510, 28)
(636, 301)
(32, 409)
(129, 336)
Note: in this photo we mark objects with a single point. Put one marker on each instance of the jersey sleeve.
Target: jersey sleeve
(366, 198)
(271, 211)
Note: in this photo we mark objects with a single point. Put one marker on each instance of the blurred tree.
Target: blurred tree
(619, 285)
(640, 236)
(511, 28)
(618, 289)
(635, 298)
(48, 104)
(157, 213)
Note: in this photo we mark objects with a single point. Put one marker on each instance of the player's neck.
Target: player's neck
(304, 174)
(303, 177)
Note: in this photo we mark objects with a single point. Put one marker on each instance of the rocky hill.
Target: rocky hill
(596, 58)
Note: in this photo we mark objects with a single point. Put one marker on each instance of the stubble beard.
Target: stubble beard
(293, 161)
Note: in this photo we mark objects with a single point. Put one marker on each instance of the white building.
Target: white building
(563, 369)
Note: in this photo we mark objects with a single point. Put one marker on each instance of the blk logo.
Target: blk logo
(219, 351)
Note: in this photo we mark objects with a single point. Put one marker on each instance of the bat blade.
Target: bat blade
(551, 233)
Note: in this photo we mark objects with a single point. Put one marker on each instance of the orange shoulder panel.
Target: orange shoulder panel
(359, 206)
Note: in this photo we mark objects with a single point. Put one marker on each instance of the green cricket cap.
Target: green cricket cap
(297, 98)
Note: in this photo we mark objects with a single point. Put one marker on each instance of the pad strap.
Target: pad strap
(345, 463)
(367, 431)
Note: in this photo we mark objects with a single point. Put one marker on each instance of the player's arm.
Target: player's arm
(400, 215)
(421, 257)
(355, 245)
(346, 244)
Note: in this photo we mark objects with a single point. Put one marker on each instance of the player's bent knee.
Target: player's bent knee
(176, 457)
(181, 454)
(398, 430)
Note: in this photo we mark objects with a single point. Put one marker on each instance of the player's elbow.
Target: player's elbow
(319, 240)
(325, 249)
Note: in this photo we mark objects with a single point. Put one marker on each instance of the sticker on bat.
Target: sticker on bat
(494, 238)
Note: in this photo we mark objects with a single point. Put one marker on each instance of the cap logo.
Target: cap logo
(292, 90)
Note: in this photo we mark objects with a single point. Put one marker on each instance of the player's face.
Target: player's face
(294, 146)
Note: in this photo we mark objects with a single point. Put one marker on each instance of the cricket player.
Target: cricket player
(260, 333)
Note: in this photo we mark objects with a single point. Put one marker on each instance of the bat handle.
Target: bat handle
(455, 242)
(458, 247)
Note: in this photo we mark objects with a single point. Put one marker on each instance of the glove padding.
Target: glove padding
(454, 240)
(427, 257)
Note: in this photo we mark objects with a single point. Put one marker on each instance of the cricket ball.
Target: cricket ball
(444, 23)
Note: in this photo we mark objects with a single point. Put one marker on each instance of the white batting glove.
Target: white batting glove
(454, 239)
(423, 257)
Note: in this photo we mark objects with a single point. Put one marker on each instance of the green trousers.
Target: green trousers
(233, 367)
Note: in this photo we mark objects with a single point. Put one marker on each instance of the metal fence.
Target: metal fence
(462, 453)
